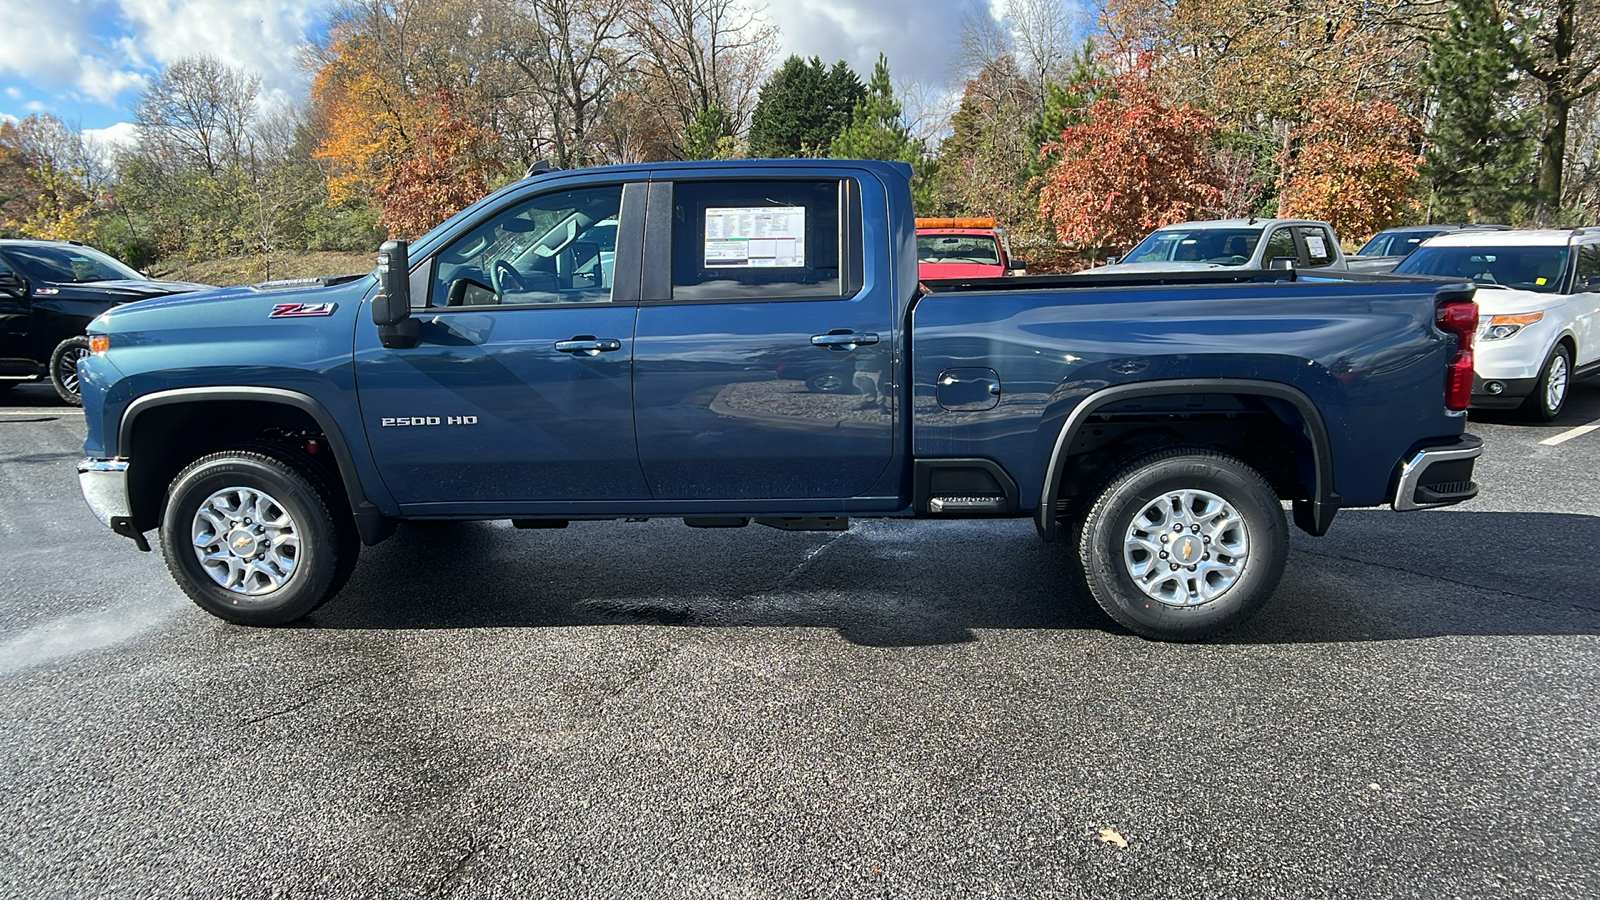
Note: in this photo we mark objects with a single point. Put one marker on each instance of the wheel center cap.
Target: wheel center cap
(1187, 549)
(242, 543)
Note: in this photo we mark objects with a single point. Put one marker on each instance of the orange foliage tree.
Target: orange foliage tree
(1135, 163)
(366, 119)
(445, 169)
(1351, 165)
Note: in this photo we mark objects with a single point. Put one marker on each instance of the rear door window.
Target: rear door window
(1319, 246)
(763, 240)
(1588, 269)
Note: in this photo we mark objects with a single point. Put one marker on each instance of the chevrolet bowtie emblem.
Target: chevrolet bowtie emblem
(246, 539)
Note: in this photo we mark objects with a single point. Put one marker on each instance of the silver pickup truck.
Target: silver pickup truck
(1232, 244)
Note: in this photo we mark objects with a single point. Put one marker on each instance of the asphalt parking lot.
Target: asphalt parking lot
(900, 710)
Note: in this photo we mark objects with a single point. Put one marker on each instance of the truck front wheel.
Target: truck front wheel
(1183, 543)
(256, 539)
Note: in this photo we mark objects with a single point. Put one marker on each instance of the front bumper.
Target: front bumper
(1512, 392)
(1438, 476)
(104, 483)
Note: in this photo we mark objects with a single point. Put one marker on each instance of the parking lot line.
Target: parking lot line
(1571, 433)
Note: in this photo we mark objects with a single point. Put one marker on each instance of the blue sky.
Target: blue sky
(85, 61)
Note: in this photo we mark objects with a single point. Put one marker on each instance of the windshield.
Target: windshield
(67, 265)
(957, 248)
(1220, 246)
(1523, 268)
(1399, 243)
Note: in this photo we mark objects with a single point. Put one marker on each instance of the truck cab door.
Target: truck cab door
(15, 313)
(519, 390)
(765, 351)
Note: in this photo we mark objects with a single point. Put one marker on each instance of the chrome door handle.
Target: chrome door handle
(588, 345)
(843, 340)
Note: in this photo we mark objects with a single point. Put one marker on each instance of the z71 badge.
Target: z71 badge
(298, 310)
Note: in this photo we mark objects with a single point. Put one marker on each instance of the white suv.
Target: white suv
(1538, 310)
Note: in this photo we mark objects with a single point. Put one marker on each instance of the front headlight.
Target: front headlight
(1498, 328)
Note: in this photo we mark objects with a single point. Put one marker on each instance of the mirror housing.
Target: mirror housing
(1282, 264)
(12, 283)
(1113, 260)
(391, 309)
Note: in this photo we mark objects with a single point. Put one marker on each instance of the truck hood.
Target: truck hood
(246, 304)
(1496, 301)
(125, 290)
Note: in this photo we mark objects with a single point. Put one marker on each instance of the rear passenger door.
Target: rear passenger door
(763, 355)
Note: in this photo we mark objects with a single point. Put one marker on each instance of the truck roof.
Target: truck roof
(1541, 237)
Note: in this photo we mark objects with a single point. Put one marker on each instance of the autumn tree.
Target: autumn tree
(1135, 164)
(802, 107)
(51, 179)
(445, 169)
(696, 55)
(1351, 165)
(575, 55)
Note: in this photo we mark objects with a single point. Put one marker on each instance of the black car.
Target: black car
(49, 292)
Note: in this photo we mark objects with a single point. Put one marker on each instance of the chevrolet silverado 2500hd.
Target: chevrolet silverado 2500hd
(512, 365)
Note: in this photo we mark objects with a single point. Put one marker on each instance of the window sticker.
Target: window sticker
(1315, 244)
(771, 237)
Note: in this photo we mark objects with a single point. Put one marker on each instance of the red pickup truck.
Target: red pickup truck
(963, 248)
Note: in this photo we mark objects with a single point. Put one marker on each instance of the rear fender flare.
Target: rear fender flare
(1313, 516)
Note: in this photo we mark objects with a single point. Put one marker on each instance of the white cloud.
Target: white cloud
(259, 36)
(105, 140)
(41, 41)
(100, 81)
(14, 93)
(920, 37)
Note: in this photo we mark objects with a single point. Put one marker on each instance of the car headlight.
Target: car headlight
(1498, 328)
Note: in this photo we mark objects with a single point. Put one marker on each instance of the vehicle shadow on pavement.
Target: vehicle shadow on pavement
(1377, 576)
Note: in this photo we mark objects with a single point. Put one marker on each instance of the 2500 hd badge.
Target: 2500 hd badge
(429, 420)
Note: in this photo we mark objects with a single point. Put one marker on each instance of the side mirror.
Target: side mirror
(1593, 281)
(1113, 260)
(391, 309)
(11, 283)
(1282, 263)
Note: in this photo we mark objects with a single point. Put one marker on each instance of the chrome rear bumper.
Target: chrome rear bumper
(1438, 476)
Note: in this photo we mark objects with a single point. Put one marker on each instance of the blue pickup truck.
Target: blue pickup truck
(632, 342)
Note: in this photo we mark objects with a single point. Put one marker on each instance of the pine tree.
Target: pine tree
(875, 130)
(1480, 154)
(803, 107)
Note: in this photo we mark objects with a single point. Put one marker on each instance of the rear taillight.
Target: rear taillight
(1460, 318)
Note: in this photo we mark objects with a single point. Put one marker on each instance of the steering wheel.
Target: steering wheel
(505, 278)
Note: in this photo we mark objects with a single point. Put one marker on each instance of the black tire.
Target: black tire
(1138, 486)
(326, 543)
(64, 368)
(1540, 405)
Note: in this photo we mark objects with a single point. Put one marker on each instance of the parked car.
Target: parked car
(49, 292)
(1539, 301)
(1231, 243)
(963, 248)
(1386, 248)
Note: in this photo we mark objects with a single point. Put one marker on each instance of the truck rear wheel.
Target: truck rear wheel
(1183, 543)
(256, 538)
